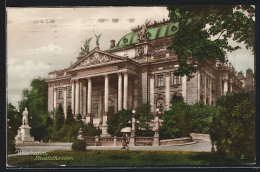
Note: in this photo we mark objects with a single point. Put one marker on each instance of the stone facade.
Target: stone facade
(133, 72)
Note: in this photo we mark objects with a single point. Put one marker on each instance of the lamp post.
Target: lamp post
(132, 136)
(156, 141)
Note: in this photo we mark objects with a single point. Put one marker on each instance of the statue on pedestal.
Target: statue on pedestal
(23, 134)
(25, 117)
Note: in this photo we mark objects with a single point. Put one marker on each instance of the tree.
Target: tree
(203, 32)
(118, 121)
(233, 128)
(201, 117)
(176, 121)
(59, 120)
(144, 116)
(69, 119)
(36, 100)
(13, 123)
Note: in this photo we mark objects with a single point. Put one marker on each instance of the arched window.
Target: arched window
(110, 103)
(95, 110)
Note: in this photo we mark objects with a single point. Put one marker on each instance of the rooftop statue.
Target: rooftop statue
(97, 38)
(142, 35)
(86, 45)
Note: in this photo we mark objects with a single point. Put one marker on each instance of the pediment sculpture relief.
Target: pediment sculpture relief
(96, 58)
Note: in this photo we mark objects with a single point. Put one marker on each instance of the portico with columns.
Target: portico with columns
(98, 91)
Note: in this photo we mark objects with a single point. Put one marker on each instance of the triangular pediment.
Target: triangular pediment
(96, 58)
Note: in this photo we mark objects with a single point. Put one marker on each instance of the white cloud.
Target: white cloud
(50, 48)
(19, 77)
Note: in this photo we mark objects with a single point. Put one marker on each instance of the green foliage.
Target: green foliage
(59, 120)
(67, 133)
(10, 141)
(35, 99)
(69, 119)
(144, 116)
(240, 73)
(90, 130)
(112, 158)
(79, 117)
(201, 117)
(79, 145)
(118, 121)
(203, 32)
(176, 121)
(233, 128)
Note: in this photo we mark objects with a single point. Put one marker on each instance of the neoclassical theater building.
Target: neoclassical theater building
(138, 69)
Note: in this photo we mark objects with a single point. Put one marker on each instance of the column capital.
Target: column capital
(125, 72)
(119, 73)
(167, 74)
(106, 75)
(64, 88)
(225, 79)
(76, 81)
(151, 76)
(89, 79)
(55, 89)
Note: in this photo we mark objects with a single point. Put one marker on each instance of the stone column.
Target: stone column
(106, 93)
(65, 102)
(184, 87)
(88, 118)
(119, 91)
(77, 98)
(125, 90)
(73, 97)
(135, 92)
(231, 84)
(55, 98)
(205, 90)
(152, 92)
(210, 92)
(167, 90)
(225, 86)
(81, 98)
(198, 87)
(104, 125)
(84, 100)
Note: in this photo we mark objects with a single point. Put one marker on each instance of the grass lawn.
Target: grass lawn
(122, 158)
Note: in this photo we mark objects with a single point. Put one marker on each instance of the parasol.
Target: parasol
(126, 130)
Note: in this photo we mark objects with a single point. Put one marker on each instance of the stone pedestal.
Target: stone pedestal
(132, 140)
(156, 141)
(25, 134)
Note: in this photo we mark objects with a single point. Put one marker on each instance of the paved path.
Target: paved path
(199, 146)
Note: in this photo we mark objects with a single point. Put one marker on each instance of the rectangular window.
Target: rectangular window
(207, 83)
(69, 92)
(159, 80)
(201, 79)
(60, 94)
(176, 80)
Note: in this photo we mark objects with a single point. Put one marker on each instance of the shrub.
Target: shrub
(79, 145)
(90, 130)
(233, 129)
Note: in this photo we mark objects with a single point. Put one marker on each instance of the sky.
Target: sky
(40, 40)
